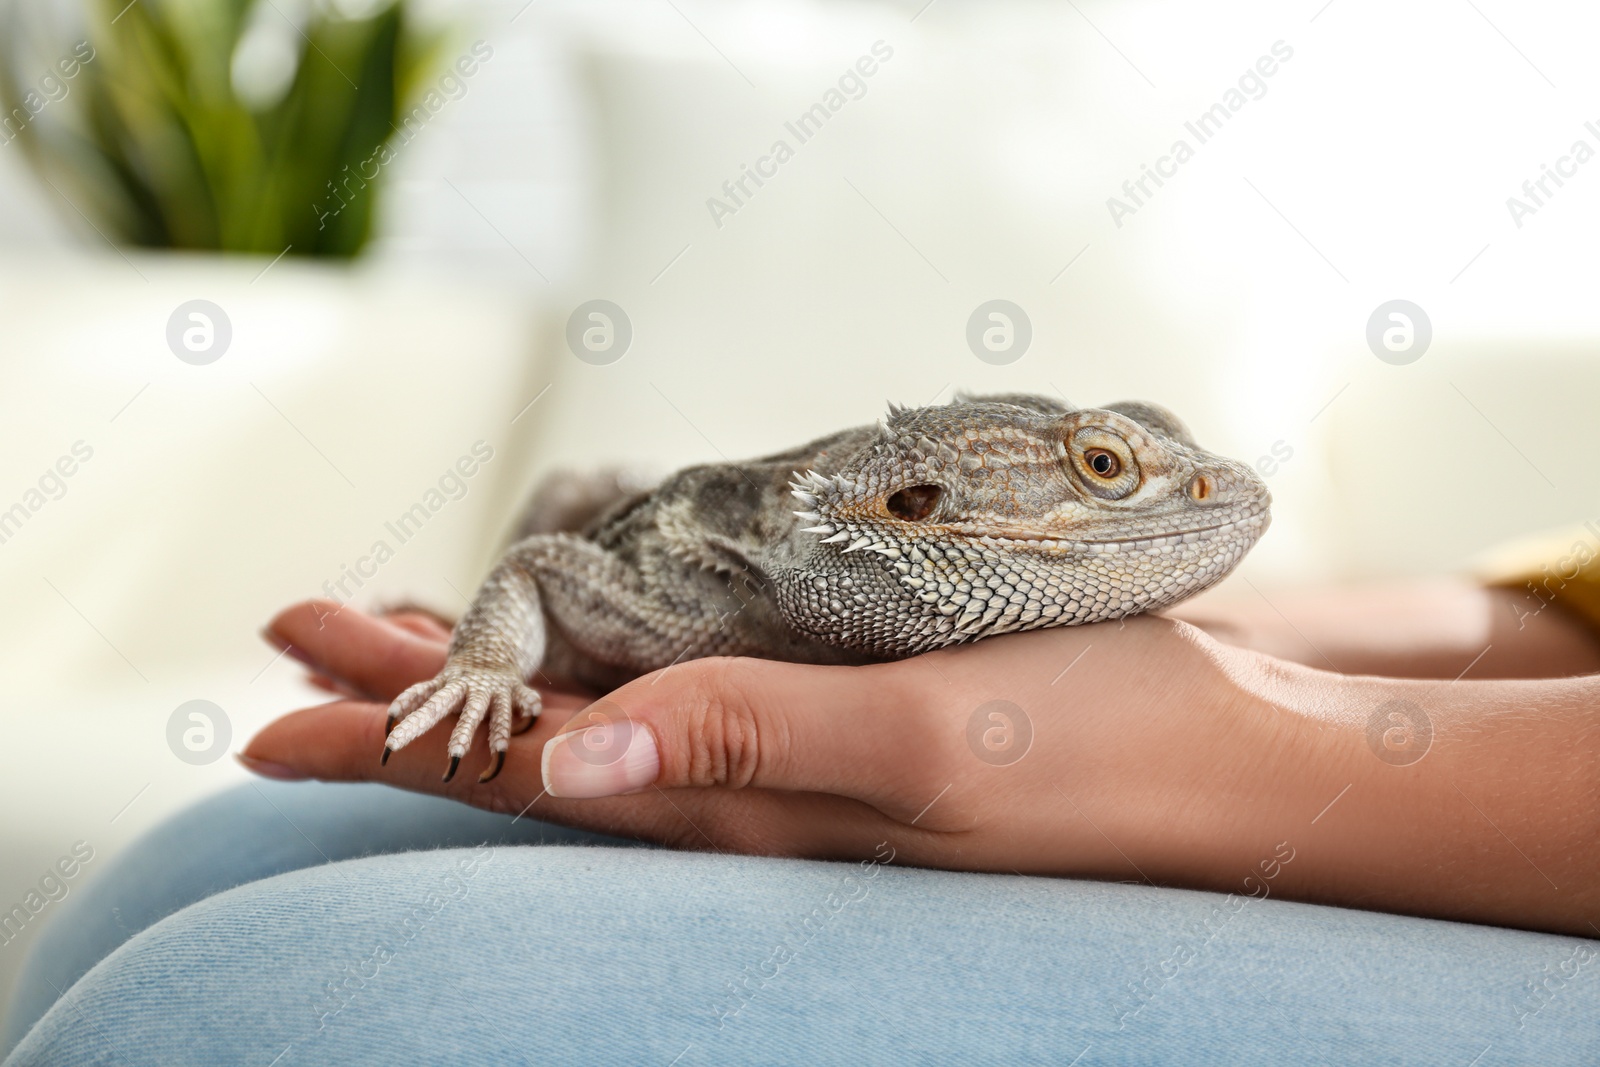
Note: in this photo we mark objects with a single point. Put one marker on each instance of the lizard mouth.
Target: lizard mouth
(1255, 521)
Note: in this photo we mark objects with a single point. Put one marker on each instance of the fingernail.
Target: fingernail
(601, 761)
(268, 769)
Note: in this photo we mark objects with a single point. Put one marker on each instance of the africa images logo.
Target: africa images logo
(1251, 85)
(852, 85)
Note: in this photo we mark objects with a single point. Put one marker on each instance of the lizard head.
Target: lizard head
(1116, 504)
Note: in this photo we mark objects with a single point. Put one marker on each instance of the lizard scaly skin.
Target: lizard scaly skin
(938, 526)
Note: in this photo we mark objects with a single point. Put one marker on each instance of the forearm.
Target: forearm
(1432, 629)
(1496, 819)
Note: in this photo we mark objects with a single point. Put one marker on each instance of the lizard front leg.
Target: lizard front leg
(502, 640)
(495, 648)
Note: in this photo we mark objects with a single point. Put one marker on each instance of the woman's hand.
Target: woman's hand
(1429, 628)
(1040, 753)
(1140, 751)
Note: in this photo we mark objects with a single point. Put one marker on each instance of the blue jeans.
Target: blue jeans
(292, 924)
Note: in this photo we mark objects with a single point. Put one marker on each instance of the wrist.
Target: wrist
(1276, 757)
(1475, 801)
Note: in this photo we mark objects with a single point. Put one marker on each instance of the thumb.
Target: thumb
(859, 732)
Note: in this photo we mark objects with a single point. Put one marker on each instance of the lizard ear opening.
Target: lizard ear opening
(914, 503)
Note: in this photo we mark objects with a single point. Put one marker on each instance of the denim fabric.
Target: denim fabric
(516, 952)
(242, 836)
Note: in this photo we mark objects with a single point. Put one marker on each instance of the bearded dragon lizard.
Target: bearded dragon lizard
(938, 526)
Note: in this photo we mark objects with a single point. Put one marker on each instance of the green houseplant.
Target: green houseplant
(252, 126)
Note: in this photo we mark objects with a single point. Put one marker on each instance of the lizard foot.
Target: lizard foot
(471, 694)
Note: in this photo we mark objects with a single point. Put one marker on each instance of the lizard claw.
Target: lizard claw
(473, 695)
(388, 728)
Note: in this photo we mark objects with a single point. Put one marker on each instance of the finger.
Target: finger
(369, 656)
(859, 732)
(334, 742)
(421, 622)
(332, 685)
(340, 742)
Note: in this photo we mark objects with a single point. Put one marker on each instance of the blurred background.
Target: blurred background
(269, 268)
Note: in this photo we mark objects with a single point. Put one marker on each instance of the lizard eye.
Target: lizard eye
(1103, 462)
(914, 503)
